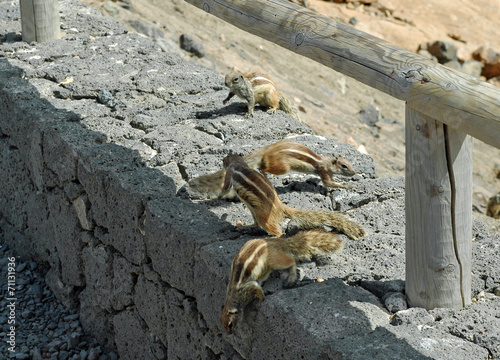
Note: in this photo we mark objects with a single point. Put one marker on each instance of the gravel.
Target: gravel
(43, 327)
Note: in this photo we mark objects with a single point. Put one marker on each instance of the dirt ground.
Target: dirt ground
(332, 102)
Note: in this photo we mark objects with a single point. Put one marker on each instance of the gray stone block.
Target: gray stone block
(133, 339)
(121, 213)
(415, 316)
(40, 229)
(66, 239)
(183, 310)
(476, 325)
(124, 279)
(153, 307)
(97, 321)
(66, 294)
(98, 262)
(175, 229)
(59, 157)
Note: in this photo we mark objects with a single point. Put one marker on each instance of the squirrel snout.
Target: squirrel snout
(229, 319)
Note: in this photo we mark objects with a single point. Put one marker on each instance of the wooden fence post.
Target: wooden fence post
(40, 20)
(438, 213)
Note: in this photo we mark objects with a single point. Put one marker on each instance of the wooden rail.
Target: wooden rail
(442, 107)
(40, 20)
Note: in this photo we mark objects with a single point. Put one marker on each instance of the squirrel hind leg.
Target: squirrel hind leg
(272, 229)
(280, 260)
(271, 110)
(273, 103)
(292, 274)
(273, 165)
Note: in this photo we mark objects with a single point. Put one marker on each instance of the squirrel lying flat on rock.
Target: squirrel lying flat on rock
(278, 159)
(255, 191)
(259, 257)
(257, 88)
(284, 156)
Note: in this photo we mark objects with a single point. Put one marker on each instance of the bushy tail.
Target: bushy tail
(288, 107)
(209, 186)
(311, 219)
(305, 244)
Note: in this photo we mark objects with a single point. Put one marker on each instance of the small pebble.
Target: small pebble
(22, 356)
(395, 302)
(21, 267)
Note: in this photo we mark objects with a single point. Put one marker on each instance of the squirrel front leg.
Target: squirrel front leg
(229, 96)
(326, 176)
(250, 105)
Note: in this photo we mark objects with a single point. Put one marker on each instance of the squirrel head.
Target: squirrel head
(237, 301)
(229, 318)
(341, 166)
(233, 158)
(493, 207)
(233, 78)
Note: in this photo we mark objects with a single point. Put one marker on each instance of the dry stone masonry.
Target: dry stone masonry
(99, 133)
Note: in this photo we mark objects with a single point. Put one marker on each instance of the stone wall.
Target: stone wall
(99, 133)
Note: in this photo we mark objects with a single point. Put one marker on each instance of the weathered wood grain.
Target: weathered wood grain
(438, 213)
(40, 20)
(341, 47)
(464, 103)
(456, 99)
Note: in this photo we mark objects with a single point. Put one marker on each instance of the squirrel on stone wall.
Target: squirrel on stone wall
(257, 88)
(278, 159)
(493, 207)
(268, 212)
(259, 257)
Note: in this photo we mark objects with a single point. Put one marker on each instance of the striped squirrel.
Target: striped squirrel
(257, 88)
(493, 207)
(255, 191)
(278, 159)
(259, 257)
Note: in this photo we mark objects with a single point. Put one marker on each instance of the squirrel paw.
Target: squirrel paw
(290, 280)
(244, 228)
(338, 185)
